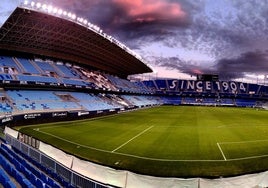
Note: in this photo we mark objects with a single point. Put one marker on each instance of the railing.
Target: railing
(66, 174)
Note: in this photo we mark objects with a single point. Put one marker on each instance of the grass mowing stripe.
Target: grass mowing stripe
(132, 138)
(221, 151)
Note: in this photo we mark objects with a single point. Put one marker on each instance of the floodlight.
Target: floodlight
(26, 2)
(64, 13)
(85, 21)
(49, 8)
(44, 6)
(73, 16)
(32, 3)
(38, 5)
(60, 11)
(55, 10)
(69, 15)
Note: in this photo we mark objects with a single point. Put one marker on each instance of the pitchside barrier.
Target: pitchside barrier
(46, 117)
(82, 173)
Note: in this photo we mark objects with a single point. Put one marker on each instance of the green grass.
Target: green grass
(169, 141)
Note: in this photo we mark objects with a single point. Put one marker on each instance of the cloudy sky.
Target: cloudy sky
(180, 38)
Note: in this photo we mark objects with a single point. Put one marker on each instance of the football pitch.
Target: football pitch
(168, 141)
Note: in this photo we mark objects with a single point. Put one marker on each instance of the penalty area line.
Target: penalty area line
(132, 139)
(221, 151)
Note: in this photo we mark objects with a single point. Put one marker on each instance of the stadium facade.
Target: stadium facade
(56, 66)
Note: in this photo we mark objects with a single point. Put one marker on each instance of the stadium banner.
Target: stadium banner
(250, 180)
(56, 154)
(135, 180)
(33, 118)
(6, 119)
(201, 86)
(11, 132)
(100, 173)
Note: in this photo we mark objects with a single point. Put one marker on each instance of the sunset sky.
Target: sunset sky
(180, 38)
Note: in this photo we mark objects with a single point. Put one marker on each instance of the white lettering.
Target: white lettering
(190, 84)
(208, 85)
(233, 86)
(174, 83)
(199, 85)
(242, 87)
(225, 86)
(218, 86)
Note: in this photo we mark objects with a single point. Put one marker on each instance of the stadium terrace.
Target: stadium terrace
(69, 117)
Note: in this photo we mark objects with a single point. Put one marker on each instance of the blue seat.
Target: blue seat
(27, 184)
(39, 183)
(3, 177)
(9, 184)
(32, 179)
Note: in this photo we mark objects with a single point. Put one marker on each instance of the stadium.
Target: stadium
(71, 118)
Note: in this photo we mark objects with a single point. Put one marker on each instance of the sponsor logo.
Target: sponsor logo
(83, 113)
(7, 118)
(39, 83)
(59, 114)
(53, 84)
(31, 116)
(23, 82)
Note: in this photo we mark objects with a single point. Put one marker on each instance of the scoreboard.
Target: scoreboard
(207, 77)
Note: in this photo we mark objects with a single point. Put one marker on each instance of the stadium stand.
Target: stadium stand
(34, 88)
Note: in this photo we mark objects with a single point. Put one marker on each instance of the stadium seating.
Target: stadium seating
(27, 66)
(32, 78)
(35, 175)
(46, 71)
(4, 178)
(245, 102)
(9, 63)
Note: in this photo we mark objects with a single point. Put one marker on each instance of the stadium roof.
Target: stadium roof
(38, 33)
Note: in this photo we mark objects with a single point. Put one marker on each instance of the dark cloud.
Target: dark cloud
(225, 31)
(128, 20)
(255, 62)
(180, 65)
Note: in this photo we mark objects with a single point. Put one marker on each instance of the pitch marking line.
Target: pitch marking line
(221, 151)
(153, 159)
(241, 142)
(73, 142)
(132, 138)
(129, 155)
